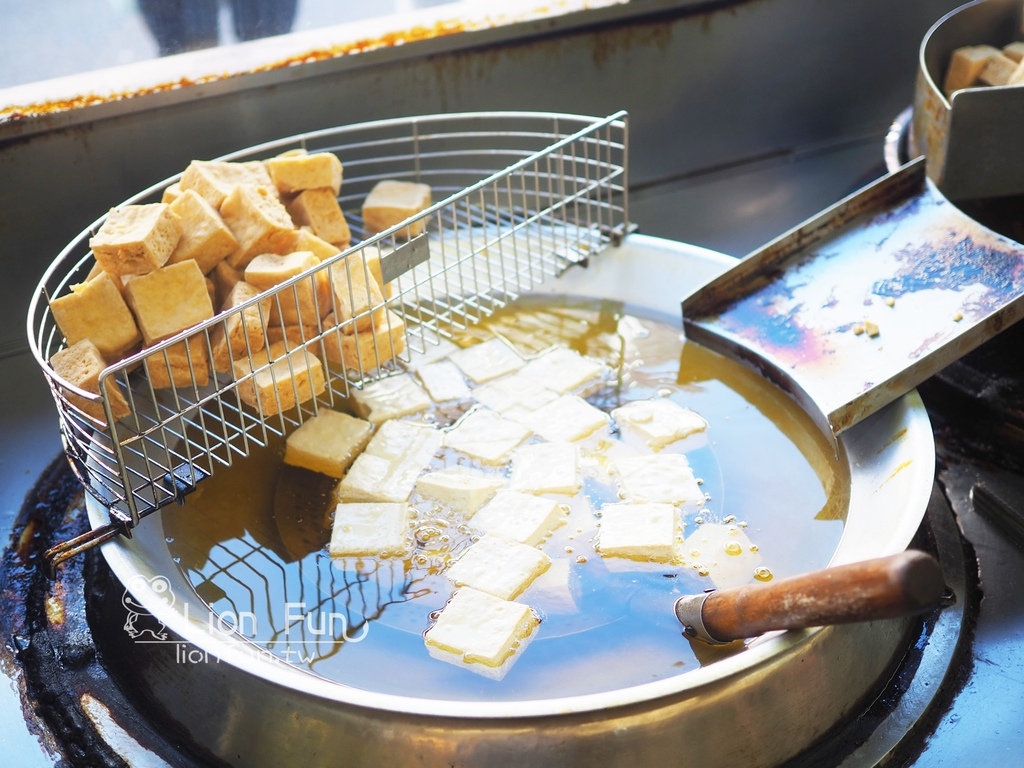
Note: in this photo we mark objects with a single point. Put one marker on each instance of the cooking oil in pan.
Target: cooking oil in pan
(252, 538)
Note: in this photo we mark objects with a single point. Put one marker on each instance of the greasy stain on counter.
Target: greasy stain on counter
(388, 40)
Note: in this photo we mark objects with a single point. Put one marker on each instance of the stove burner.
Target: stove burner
(65, 677)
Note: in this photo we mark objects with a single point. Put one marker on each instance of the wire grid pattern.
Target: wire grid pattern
(520, 198)
(327, 602)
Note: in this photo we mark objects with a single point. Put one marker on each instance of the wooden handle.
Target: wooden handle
(899, 585)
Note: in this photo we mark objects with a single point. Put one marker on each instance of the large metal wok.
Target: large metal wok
(772, 700)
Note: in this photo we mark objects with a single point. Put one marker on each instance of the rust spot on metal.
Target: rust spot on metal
(608, 43)
(898, 469)
(894, 439)
(55, 611)
(26, 541)
(955, 263)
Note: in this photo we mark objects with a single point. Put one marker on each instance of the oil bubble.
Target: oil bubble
(763, 574)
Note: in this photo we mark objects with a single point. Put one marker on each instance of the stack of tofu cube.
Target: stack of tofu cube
(224, 234)
(973, 66)
(506, 466)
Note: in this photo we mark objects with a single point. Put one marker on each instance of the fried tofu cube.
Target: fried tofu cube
(96, 270)
(1001, 70)
(563, 370)
(391, 202)
(965, 66)
(260, 223)
(318, 209)
(204, 235)
(487, 360)
(567, 419)
(327, 443)
(95, 310)
(481, 633)
(214, 180)
(136, 239)
(1014, 50)
(183, 364)
(521, 517)
(275, 380)
(299, 304)
(169, 300)
(465, 492)
(486, 435)
(390, 398)
(358, 301)
(663, 477)
(639, 531)
(242, 331)
(80, 365)
(307, 241)
(294, 335)
(372, 528)
(659, 421)
(296, 171)
(546, 468)
(224, 278)
(388, 468)
(171, 193)
(367, 350)
(443, 381)
(499, 566)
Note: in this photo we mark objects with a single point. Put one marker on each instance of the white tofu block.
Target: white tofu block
(378, 529)
(638, 531)
(487, 360)
(724, 551)
(566, 419)
(327, 443)
(520, 516)
(462, 491)
(563, 370)
(390, 398)
(546, 468)
(663, 477)
(443, 381)
(388, 468)
(431, 352)
(498, 566)
(485, 435)
(481, 633)
(659, 421)
(552, 591)
(514, 396)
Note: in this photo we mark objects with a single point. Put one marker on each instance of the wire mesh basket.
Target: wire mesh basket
(521, 197)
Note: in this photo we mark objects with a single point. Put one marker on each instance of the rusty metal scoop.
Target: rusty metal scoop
(903, 584)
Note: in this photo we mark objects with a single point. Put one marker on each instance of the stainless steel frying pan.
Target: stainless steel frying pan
(256, 710)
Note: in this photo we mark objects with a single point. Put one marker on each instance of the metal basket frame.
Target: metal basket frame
(524, 195)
